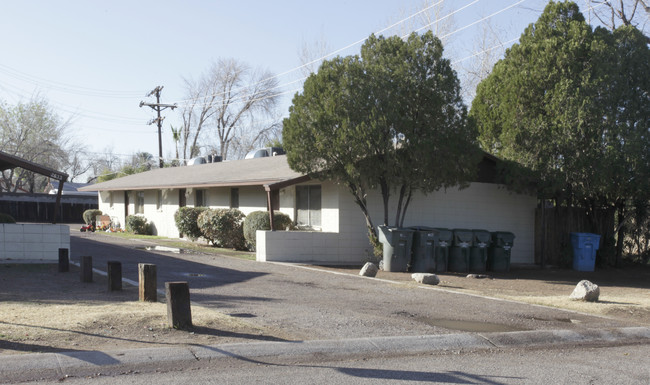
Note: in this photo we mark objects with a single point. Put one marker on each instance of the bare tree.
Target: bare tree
(227, 101)
(622, 12)
(32, 131)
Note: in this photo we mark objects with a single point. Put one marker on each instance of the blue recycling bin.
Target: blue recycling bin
(584, 247)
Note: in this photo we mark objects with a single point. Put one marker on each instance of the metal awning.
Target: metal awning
(8, 162)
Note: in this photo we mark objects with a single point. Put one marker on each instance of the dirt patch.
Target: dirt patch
(42, 310)
(624, 293)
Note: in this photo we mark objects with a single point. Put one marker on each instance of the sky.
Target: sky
(94, 62)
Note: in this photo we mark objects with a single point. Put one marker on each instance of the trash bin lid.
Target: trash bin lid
(462, 236)
(501, 237)
(444, 235)
(481, 236)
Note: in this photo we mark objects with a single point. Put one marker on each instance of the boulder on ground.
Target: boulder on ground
(369, 270)
(585, 291)
(426, 278)
(478, 276)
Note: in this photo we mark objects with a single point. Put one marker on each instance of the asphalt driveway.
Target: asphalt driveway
(313, 304)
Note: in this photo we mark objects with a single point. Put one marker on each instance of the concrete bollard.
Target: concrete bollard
(114, 275)
(179, 312)
(64, 261)
(147, 285)
(86, 268)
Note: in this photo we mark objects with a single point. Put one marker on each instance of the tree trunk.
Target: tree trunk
(620, 236)
(385, 194)
(398, 215)
(406, 206)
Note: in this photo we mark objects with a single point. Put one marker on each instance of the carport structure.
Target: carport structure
(8, 162)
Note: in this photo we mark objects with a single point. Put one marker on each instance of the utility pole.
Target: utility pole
(158, 107)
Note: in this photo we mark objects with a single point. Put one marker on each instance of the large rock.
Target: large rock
(369, 270)
(426, 278)
(585, 291)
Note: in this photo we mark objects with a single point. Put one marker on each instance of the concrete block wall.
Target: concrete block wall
(32, 242)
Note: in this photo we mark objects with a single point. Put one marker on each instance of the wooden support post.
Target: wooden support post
(148, 284)
(86, 268)
(64, 261)
(179, 312)
(114, 275)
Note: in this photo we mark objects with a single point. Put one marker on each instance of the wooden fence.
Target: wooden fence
(40, 207)
(554, 225)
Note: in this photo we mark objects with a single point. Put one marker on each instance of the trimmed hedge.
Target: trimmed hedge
(137, 224)
(185, 218)
(223, 227)
(259, 220)
(90, 215)
(6, 218)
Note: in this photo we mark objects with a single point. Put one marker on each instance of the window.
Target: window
(139, 202)
(308, 204)
(234, 198)
(159, 200)
(201, 198)
(111, 200)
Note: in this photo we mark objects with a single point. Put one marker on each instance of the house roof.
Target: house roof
(246, 172)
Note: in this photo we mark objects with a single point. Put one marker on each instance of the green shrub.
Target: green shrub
(137, 224)
(259, 220)
(90, 215)
(185, 218)
(6, 218)
(223, 227)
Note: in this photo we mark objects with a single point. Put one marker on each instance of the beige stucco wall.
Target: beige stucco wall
(481, 206)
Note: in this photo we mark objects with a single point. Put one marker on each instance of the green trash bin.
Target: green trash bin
(443, 242)
(479, 251)
(460, 250)
(423, 258)
(499, 251)
(396, 246)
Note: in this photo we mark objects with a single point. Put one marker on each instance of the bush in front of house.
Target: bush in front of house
(259, 220)
(137, 224)
(90, 215)
(6, 218)
(223, 227)
(185, 218)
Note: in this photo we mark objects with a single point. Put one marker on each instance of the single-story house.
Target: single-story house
(334, 230)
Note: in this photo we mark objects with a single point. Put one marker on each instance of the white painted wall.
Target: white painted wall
(32, 242)
(481, 206)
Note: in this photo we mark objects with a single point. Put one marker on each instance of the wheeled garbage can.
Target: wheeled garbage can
(479, 252)
(460, 250)
(444, 240)
(423, 257)
(584, 247)
(396, 247)
(499, 251)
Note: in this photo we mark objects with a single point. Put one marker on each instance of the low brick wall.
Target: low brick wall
(32, 242)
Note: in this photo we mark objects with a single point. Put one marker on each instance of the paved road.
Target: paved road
(309, 304)
(626, 365)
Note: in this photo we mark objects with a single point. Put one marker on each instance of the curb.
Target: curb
(64, 363)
